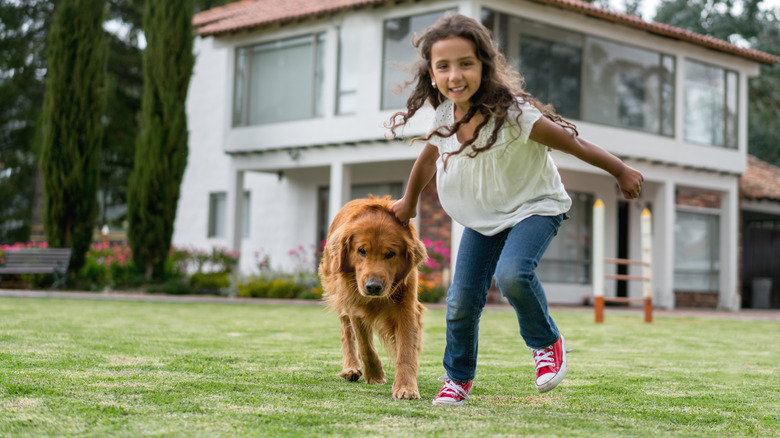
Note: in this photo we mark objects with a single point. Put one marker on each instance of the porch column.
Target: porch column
(728, 298)
(340, 185)
(663, 247)
(235, 203)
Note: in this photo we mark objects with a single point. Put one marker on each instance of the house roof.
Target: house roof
(761, 181)
(251, 14)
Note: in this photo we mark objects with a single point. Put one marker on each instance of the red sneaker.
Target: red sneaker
(550, 365)
(452, 393)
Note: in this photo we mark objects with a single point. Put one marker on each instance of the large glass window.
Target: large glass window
(346, 88)
(568, 258)
(626, 86)
(279, 81)
(710, 105)
(696, 252)
(589, 78)
(399, 55)
(550, 59)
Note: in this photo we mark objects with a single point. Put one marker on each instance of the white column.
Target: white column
(598, 248)
(235, 214)
(340, 184)
(728, 298)
(663, 242)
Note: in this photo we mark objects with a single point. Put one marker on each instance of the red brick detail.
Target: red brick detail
(698, 198)
(703, 300)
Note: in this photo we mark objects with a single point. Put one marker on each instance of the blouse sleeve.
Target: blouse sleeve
(529, 115)
(439, 120)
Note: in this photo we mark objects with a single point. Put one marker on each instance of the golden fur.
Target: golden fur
(369, 277)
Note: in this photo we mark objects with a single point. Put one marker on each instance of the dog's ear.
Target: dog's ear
(337, 248)
(417, 252)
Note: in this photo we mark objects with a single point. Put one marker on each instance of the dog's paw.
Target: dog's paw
(351, 374)
(376, 380)
(406, 393)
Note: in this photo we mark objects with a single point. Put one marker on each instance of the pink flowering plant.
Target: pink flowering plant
(431, 287)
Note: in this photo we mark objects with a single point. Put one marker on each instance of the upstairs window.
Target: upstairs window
(628, 87)
(589, 78)
(399, 56)
(710, 105)
(279, 81)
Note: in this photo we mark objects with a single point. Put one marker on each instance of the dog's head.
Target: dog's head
(377, 249)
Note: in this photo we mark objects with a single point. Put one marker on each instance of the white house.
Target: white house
(288, 100)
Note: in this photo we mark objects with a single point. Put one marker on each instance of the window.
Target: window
(346, 87)
(627, 86)
(217, 214)
(550, 59)
(279, 81)
(217, 226)
(568, 258)
(399, 55)
(696, 252)
(710, 105)
(589, 78)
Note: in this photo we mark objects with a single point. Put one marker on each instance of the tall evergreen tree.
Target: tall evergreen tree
(72, 127)
(161, 149)
(23, 33)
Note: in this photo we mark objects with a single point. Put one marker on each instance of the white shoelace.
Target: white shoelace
(543, 357)
(452, 387)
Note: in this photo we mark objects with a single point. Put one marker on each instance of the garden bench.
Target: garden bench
(38, 261)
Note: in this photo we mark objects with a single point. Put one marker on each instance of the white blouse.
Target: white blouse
(515, 179)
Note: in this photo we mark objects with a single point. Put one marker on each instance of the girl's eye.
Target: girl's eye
(362, 252)
(390, 255)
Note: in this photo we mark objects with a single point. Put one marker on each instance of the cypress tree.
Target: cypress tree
(161, 149)
(71, 119)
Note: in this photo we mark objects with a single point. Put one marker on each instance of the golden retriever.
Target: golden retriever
(369, 277)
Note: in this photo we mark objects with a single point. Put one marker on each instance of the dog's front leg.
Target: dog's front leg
(372, 365)
(350, 367)
(408, 344)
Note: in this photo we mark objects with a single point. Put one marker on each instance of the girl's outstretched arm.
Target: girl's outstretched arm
(422, 173)
(550, 134)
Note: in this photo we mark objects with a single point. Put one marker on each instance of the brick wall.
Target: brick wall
(707, 300)
(698, 198)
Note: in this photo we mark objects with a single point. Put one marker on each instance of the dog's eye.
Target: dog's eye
(390, 255)
(362, 252)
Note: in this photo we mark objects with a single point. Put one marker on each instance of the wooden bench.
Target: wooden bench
(53, 261)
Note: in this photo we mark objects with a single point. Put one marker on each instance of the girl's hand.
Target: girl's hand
(630, 182)
(403, 211)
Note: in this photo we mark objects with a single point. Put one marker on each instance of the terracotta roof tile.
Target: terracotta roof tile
(761, 181)
(249, 14)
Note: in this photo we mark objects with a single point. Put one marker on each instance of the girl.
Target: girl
(488, 147)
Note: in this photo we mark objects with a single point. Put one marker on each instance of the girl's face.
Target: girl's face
(456, 70)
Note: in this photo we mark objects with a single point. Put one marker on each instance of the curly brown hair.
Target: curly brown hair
(501, 88)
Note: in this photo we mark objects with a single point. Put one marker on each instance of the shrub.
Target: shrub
(430, 292)
(209, 282)
(176, 286)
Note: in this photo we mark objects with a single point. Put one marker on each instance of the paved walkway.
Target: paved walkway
(745, 314)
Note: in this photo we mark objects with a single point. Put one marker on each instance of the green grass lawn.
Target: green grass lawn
(128, 368)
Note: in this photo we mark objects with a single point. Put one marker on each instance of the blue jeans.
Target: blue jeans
(511, 256)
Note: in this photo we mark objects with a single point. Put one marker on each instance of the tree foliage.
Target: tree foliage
(72, 126)
(161, 149)
(23, 35)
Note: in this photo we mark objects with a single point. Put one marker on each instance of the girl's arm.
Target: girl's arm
(422, 173)
(550, 134)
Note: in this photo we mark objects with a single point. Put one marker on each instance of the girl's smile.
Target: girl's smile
(456, 70)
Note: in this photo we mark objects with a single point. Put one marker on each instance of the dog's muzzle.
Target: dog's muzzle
(374, 287)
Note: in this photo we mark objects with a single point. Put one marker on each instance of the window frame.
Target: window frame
(241, 116)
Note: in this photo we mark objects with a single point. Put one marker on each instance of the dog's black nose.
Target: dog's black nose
(373, 287)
